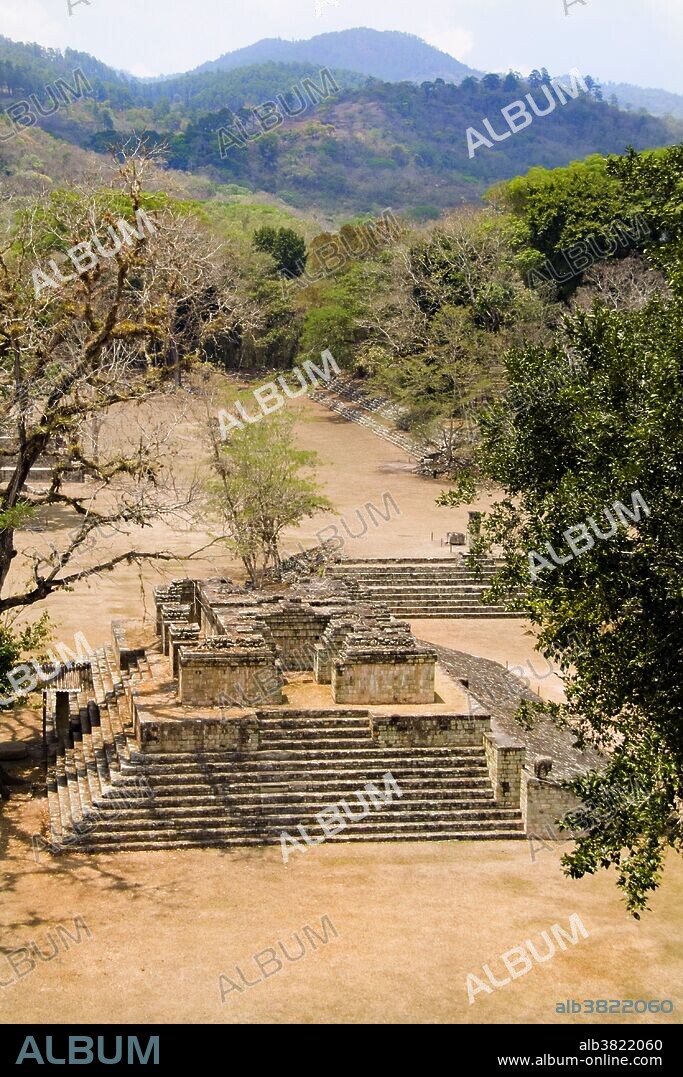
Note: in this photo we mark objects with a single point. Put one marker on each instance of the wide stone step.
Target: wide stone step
(372, 826)
(458, 607)
(179, 789)
(446, 573)
(199, 761)
(383, 590)
(422, 783)
(283, 738)
(415, 576)
(375, 756)
(279, 773)
(290, 772)
(128, 842)
(445, 595)
(288, 815)
(310, 723)
(433, 611)
(354, 564)
(177, 792)
(369, 755)
(283, 795)
(293, 742)
(425, 613)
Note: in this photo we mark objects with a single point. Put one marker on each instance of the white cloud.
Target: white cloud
(30, 21)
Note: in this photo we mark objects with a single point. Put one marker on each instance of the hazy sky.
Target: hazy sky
(618, 40)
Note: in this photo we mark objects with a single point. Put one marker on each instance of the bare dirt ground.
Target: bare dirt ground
(356, 469)
(411, 920)
(509, 642)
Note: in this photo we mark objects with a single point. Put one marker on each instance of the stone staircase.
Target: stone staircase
(104, 794)
(86, 772)
(421, 587)
(358, 407)
(351, 391)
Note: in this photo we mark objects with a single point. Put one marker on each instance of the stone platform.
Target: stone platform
(245, 715)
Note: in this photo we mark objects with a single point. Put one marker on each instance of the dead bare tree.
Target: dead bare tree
(621, 284)
(79, 347)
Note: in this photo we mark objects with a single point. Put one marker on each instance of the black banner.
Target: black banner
(498, 1047)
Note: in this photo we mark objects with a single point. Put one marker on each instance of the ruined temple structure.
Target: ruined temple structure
(242, 715)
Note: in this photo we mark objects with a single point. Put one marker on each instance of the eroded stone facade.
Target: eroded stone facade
(230, 647)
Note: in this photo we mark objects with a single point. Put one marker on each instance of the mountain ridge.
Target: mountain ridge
(358, 55)
(389, 55)
(358, 148)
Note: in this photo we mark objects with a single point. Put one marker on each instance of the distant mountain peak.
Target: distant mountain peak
(390, 55)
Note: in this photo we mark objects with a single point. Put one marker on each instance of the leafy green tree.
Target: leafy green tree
(285, 245)
(563, 206)
(589, 421)
(657, 177)
(14, 646)
(72, 352)
(273, 340)
(262, 485)
(328, 326)
(448, 306)
(491, 82)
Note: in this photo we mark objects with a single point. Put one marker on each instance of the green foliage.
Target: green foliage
(658, 179)
(565, 206)
(286, 246)
(332, 326)
(419, 140)
(590, 420)
(17, 516)
(53, 220)
(275, 340)
(331, 155)
(262, 486)
(586, 422)
(14, 646)
(444, 314)
(424, 213)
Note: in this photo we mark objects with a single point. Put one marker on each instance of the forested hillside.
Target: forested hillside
(335, 142)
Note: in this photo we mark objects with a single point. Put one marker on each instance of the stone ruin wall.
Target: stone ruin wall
(228, 647)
